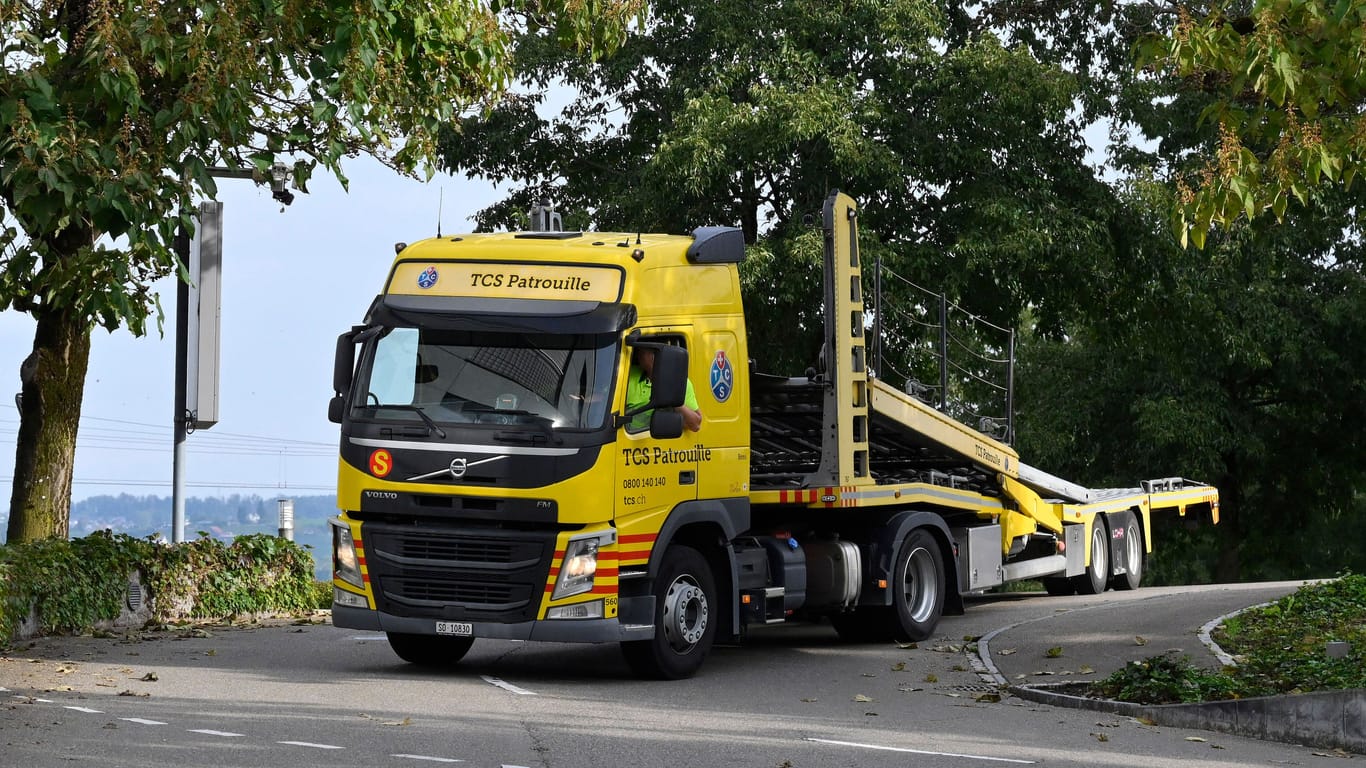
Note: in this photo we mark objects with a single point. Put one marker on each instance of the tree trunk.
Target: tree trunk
(53, 379)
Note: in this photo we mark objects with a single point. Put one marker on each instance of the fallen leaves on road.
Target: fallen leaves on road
(1006, 652)
(1053, 652)
(863, 699)
(1139, 640)
(135, 694)
(150, 677)
(1196, 738)
(1101, 737)
(900, 666)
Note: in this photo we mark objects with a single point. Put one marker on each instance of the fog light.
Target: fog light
(591, 610)
(348, 599)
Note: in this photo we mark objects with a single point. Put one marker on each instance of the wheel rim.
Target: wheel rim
(918, 585)
(1099, 552)
(685, 613)
(1134, 551)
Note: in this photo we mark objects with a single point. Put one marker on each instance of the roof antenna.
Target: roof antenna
(637, 237)
(441, 198)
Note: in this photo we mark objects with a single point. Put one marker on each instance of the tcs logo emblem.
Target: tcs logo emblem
(381, 463)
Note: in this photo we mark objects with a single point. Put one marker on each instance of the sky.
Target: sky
(291, 282)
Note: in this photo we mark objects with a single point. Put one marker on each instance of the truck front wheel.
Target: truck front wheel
(685, 597)
(430, 650)
(918, 588)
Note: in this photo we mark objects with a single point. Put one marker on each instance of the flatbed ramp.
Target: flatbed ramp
(913, 443)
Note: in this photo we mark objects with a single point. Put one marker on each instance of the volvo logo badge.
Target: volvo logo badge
(458, 467)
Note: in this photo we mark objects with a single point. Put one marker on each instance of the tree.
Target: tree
(1288, 88)
(113, 114)
(967, 166)
(1240, 365)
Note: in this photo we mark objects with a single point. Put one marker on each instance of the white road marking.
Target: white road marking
(920, 751)
(208, 732)
(86, 710)
(141, 721)
(497, 683)
(430, 759)
(30, 698)
(368, 637)
(310, 744)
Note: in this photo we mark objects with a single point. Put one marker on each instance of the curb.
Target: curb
(1330, 719)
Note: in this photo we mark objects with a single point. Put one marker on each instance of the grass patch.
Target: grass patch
(1280, 648)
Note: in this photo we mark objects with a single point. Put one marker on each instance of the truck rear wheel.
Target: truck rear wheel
(1133, 557)
(685, 596)
(918, 586)
(1097, 574)
(430, 650)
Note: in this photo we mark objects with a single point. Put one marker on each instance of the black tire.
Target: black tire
(918, 586)
(867, 624)
(1133, 557)
(1097, 575)
(1059, 586)
(430, 650)
(685, 619)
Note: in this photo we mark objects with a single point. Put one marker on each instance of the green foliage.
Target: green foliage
(1287, 93)
(1166, 680)
(113, 116)
(252, 574)
(77, 583)
(1281, 647)
(71, 584)
(960, 151)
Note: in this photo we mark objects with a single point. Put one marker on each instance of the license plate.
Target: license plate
(460, 628)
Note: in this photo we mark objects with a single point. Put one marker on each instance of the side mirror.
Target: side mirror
(670, 386)
(666, 424)
(335, 407)
(344, 363)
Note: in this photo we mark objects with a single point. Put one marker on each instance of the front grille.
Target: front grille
(457, 574)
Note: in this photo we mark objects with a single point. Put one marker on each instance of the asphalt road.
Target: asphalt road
(310, 694)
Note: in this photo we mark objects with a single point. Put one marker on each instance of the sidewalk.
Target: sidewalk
(1036, 659)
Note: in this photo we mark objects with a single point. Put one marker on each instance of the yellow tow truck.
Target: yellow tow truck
(494, 483)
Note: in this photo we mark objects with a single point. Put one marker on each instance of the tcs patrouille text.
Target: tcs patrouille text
(532, 282)
(639, 457)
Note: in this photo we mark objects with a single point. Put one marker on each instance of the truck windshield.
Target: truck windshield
(462, 377)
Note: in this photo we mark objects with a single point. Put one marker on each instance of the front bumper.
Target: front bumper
(559, 631)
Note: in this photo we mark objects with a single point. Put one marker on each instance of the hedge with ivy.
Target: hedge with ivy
(73, 585)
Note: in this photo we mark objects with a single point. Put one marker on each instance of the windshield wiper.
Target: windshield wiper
(540, 422)
(431, 425)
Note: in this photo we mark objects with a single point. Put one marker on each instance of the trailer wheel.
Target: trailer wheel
(430, 650)
(685, 594)
(1097, 574)
(918, 586)
(1133, 557)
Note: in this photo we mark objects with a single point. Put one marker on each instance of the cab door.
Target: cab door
(653, 475)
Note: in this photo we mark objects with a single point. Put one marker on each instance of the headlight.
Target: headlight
(577, 570)
(345, 562)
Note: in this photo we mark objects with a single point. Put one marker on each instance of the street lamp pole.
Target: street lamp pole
(183, 417)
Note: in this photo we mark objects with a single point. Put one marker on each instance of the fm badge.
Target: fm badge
(722, 377)
(428, 278)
